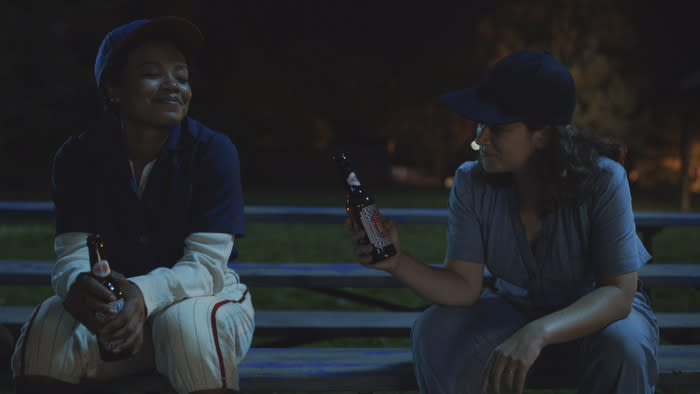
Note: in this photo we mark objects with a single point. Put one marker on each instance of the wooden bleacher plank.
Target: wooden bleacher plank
(667, 219)
(25, 272)
(670, 275)
(12, 315)
(336, 323)
(306, 275)
(679, 365)
(327, 369)
(26, 209)
(678, 319)
(330, 215)
(344, 323)
(371, 369)
(348, 323)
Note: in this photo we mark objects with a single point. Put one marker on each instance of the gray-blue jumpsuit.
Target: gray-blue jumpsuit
(451, 345)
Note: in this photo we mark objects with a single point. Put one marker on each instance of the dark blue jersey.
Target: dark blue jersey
(194, 186)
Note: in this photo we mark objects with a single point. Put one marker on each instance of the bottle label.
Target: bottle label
(114, 307)
(108, 345)
(372, 222)
(101, 269)
(353, 180)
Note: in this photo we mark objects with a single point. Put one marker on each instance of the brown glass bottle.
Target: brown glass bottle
(362, 210)
(99, 269)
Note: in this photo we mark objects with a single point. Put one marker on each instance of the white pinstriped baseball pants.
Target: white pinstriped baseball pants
(196, 343)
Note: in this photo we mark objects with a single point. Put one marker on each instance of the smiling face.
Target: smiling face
(507, 147)
(154, 88)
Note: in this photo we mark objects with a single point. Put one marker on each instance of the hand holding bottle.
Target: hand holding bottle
(366, 251)
(86, 298)
(114, 283)
(125, 331)
(363, 212)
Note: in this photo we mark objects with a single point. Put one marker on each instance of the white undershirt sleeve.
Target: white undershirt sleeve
(72, 259)
(200, 271)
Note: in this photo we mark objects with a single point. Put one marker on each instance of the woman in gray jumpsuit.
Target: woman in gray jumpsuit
(549, 214)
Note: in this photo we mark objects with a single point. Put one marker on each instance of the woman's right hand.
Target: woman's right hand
(85, 298)
(363, 249)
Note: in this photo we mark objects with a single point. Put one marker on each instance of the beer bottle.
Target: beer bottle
(99, 269)
(362, 210)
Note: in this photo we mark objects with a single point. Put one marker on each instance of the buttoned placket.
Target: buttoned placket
(533, 263)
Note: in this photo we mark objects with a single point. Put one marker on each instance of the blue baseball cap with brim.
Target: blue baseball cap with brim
(525, 85)
(181, 31)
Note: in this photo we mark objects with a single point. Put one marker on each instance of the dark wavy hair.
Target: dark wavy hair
(564, 166)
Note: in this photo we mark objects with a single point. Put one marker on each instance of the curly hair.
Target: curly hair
(564, 166)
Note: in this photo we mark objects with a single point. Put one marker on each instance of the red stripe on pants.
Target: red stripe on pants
(26, 339)
(215, 332)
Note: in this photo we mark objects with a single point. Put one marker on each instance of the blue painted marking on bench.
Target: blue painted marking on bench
(26, 209)
(665, 219)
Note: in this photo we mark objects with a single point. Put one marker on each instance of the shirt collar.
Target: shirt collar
(110, 137)
(174, 142)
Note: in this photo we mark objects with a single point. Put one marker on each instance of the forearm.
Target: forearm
(436, 284)
(587, 315)
(199, 272)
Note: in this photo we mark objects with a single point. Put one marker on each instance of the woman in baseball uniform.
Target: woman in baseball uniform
(164, 191)
(549, 214)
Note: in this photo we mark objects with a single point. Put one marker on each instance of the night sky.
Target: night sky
(272, 72)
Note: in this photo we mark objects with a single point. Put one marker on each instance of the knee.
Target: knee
(614, 349)
(49, 342)
(425, 328)
(193, 329)
(199, 346)
(435, 330)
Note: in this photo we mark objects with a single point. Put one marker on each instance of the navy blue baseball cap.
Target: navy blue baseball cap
(525, 85)
(183, 32)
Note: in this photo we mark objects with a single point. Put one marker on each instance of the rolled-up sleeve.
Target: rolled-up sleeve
(464, 238)
(615, 247)
(200, 272)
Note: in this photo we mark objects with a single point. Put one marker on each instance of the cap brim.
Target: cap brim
(467, 103)
(183, 32)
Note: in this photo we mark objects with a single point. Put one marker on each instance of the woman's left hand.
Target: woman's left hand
(125, 331)
(510, 361)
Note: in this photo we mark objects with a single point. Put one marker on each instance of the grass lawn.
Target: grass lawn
(282, 242)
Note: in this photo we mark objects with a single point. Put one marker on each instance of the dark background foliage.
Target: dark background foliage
(292, 81)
